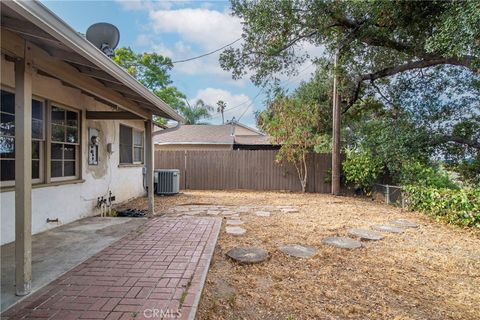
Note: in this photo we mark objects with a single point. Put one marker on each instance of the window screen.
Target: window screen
(7, 136)
(126, 144)
(65, 143)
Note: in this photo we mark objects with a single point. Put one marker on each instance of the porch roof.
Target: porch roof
(36, 24)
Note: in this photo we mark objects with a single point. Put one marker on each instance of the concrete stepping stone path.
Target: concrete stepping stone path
(364, 234)
(403, 223)
(234, 222)
(298, 251)
(262, 213)
(248, 255)
(387, 228)
(289, 210)
(342, 242)
(236, 231)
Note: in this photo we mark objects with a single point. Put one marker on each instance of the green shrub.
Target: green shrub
(460, 207)
(419, 174)
(361, 168)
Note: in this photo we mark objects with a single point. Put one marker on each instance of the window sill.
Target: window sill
(45, 185)
(130, 165)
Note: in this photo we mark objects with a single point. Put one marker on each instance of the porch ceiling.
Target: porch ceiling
(36, 24)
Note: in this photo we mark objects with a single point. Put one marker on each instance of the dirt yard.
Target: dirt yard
(432, 272)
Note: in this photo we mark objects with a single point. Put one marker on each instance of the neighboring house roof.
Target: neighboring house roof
(195, 134)
(37, 24)
(207, 134)
(252, 140)
(246, 127)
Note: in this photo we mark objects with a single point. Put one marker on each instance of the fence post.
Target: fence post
(387, 194)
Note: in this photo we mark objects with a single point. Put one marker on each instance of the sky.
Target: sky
(180, 29)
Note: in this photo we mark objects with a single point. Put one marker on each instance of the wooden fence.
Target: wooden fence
(243, 169)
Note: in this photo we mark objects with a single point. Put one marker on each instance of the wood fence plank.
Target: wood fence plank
(243, 169)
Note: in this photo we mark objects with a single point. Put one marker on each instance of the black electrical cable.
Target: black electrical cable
(207, 54)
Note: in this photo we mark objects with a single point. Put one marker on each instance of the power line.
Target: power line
(207, 54)
(260, 91)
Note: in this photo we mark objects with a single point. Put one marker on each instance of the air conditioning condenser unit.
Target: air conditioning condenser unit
(167, 181)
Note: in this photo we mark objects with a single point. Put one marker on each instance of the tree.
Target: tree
(292, 125)
(221, 105)
(379, 39)
(425, 117)
(152, 70)
(200, 110)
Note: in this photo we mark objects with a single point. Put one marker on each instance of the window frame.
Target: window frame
(137, 146)
(42, 142)
(45, 177)
(50, 142)
(133, 146)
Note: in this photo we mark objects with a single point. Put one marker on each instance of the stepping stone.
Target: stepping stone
(386, 228)
(228, 213)
(342, 242)
(234, 222)
(248, 255)
(213, 212)
(364, 234)
(236, 231)
(298, 251)
(403, 223)
(234, 217)
(262, 213)
(181, 209)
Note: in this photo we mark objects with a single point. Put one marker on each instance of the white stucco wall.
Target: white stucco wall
(74, 201)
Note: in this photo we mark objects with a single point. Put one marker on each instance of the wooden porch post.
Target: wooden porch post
(149, 163)
(23, 174)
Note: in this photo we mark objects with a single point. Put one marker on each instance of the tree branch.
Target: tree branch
(428, 61)
(449, 138)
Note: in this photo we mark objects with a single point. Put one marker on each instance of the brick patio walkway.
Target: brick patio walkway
(156, 272)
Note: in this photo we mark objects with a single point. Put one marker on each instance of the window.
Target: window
(131, 145)
(7, 138)
(137, 146)
(64, 143)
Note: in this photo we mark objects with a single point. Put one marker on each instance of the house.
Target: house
(231, 136)
(76, 129)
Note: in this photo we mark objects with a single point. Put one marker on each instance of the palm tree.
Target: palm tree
(194, 114)
(221, 108)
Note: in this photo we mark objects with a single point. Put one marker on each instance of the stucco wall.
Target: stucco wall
(73, 201)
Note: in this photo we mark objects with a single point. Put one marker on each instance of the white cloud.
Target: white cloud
(200, 31)
(135, 5)
(143, 40)
(210, 29)
(237, 104)
(162, 49)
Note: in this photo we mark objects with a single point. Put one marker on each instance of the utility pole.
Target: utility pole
(336, 130)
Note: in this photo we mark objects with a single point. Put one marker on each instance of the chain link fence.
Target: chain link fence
(390, 194)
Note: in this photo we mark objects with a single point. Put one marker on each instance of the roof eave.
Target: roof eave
(43, 18)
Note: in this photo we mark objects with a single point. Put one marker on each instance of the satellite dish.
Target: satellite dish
(104, 36)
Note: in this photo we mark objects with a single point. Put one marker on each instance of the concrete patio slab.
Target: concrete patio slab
(58, 250)
(158, 269)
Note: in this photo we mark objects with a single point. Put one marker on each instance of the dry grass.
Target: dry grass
(428, 273)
